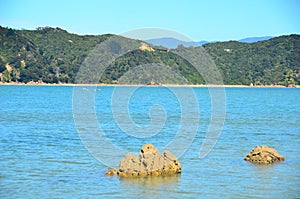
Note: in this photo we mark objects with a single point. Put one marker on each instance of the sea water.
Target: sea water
(42, 155)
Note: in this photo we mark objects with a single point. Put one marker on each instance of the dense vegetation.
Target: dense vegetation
(159, 56)
(53, 55)
(273, 61)
(48, 54)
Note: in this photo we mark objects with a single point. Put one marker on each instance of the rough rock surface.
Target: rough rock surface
(149, 163)
(264, 155)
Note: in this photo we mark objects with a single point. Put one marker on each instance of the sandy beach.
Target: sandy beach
(160, 85)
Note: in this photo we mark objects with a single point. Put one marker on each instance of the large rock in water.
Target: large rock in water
(149, 163)
(264, 155)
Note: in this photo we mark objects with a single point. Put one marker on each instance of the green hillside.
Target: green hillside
(274, 61)
(53, 55)
(50, 54)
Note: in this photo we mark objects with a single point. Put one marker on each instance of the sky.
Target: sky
(211, 20)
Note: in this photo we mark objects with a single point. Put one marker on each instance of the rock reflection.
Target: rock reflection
(152, 185)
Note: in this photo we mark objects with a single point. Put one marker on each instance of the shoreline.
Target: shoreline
(145, 85)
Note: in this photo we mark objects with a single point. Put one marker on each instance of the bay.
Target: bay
(42, 155)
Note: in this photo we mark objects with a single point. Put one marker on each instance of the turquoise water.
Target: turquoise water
(42, 155)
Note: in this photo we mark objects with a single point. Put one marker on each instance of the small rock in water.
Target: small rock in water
(264, 155)
(149, 163)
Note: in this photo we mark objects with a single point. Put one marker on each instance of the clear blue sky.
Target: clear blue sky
(197, 19)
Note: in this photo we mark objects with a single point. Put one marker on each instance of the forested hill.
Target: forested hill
(273, 61)
(53, 55)
(48, 54)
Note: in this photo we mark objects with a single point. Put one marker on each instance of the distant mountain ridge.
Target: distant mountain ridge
(255, 39)
(170, 42)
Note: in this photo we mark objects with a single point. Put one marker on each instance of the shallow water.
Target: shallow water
(42, 155)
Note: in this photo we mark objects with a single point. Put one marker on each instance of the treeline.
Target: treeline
(53, 55)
